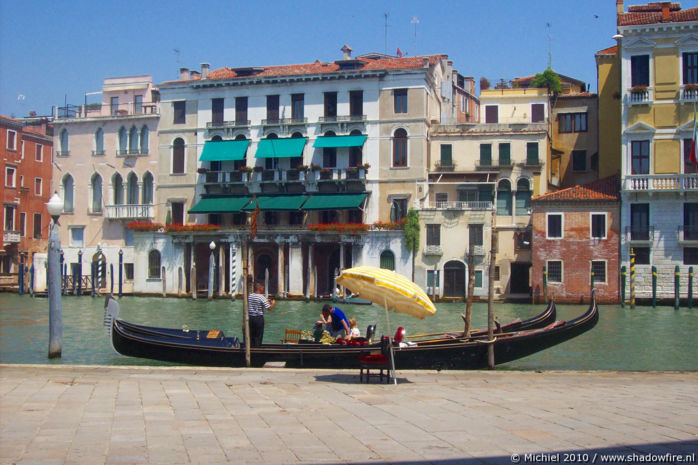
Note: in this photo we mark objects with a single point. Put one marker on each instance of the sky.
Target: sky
(52, 52)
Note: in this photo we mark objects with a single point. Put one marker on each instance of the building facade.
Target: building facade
(658, 51)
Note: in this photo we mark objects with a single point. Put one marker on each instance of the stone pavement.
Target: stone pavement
(61, 414)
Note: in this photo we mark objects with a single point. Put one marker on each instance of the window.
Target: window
(433, 278)
(598, 226)
(138, 104)
(523, 197)
(598, 267)
(272, 218)
(178, 212)
(476, 234)
(355, 153)
(355, 215)
(433, 234)
(217, 110)
(496, 273)
(554, 230)
(554, 271)
(572, 122)
(123, 141)
(491, 114)
(690, 68)
(639, 221)
(39, 153)
(68, 194)
(642, 255)
(356, 103)
(328, 216)
(295, 218)
(37, 225)
(579, 160)
(485, 154)
(387, 260)
(688, 166)
(10, 176)
(329, 154)
(537, 112)
(118, 186)
(38, 184)
(10, 217)
(11, 140)
(441, 200)
(180, 114)
(147, 189)
(145, 140)
(241, 111)
(114, 106)
(640, 70)
(272, 108)
(133, 141)
(532, 153)
(400, 148)
(128, 236)
(22, 224)
(478, 278)
(132, 189)
(690, 256)
(64, 152)
(640, 156)
(505, 154)
(99, 142)
(398, 209)
(96, 193)
(128, 271)
(690, 221)
(77, 236)
(154, 264)
(297, 107)
(330, 105)
(446, 155)
(400, 100)
(504, 198)
(178, 156)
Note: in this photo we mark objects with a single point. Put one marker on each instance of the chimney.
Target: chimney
(619, 7)
(183, 74)
(195, 75)
(666, 15)
(205, 67)
(347, 52)
(425, 62)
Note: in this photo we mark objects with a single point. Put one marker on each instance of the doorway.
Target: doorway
(519, 278)
(454, 279)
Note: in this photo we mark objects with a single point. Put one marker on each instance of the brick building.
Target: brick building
(577, 231)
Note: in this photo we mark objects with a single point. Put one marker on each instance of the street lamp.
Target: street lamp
(211, 266)
(55, 208)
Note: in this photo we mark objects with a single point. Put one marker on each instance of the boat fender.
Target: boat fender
(399, 335)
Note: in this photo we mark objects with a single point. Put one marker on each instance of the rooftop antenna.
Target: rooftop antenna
(548, 26)
(176, 51)
(415, 21)
(385, 15)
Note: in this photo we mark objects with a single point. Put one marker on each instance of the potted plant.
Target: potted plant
(314, 167)
(201, 170)
(638, 89)
(302, 167)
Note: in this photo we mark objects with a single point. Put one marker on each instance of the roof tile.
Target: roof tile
(601, 189)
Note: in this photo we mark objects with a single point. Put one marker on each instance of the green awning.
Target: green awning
(334, 202)
(339, 141)
(277, 202)
(281, 148)
(225, 150)
(220, 204)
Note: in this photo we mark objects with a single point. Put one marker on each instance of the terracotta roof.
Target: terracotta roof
(601, 189)
(318, 67)
(652, 14)
(608, 51)
(11, 119)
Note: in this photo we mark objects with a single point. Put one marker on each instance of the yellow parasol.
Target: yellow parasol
(395, 291)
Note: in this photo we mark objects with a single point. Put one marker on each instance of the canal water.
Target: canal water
(642, 338)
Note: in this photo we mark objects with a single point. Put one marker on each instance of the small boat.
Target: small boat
(445, 351)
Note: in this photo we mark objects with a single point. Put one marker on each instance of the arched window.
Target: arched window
(68, 194)
(295, 162)
(388, 260)
(123, 141)
(178, 156)
(400, 148)
(133, 140)
(237, 164)
(99, 142)
(329, 154)
(118, 184)
(132, 190)
(504, 198)
(145, 140)
(147, 188)
(154, 264)
(271, 163)
(523, 197)
(96, 183)
(355, 153)
(64, 143)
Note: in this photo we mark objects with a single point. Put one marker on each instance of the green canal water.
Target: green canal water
(639, 339)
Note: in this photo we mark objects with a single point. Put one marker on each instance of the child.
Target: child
(354, 329)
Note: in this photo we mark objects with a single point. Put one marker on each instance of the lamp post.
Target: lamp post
(54, 207)
(211, 269)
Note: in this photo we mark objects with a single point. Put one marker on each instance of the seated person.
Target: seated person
(354, 328)
(335, 321)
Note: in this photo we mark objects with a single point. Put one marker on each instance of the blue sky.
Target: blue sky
(50, 50)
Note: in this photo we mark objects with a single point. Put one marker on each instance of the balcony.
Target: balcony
(10, 237)
(444, 166)
(97, 110)
(454, 205)
(129, 212)
(687, 235)
(639, 235)
(661, 183)
(689, 93)
(241, 123)
(433, 250)
(343, 121)
(121, 153)
(640, 95)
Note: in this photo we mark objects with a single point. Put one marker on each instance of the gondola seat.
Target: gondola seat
(376, 361)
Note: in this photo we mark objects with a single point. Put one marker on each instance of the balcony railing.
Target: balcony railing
(97, 110)
(661, 182)
(454, 205)
(687, 234)
(640, 95)
(131, 153)
(441, 166)
(10, 237)
(433, 250)
(639, 234)
(228, 124)
(689, 93)
(128, 212)
(341, 118)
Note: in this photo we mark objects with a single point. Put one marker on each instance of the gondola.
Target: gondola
(212, 348)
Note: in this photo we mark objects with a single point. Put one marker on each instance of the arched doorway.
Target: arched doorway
(454, 279)
(262, 263)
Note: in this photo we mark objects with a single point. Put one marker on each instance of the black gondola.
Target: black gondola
(212, 348)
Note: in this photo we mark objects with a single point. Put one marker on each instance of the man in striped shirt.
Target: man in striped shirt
(256, 304)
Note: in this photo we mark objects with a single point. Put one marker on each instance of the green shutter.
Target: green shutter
(504, 154)
(532, 153)
(485, 154)
(446, 155)
(478, 278)
(387, 261)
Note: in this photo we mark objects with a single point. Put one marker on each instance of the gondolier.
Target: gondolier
(257, 303)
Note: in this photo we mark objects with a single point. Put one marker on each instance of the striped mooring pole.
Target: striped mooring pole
(100, 262)
(79, 273)
(121, 271)
(623, 273)
(632, 278)
(20, 275)
(677, 290)
(654, 286)
(233, 270)
(690, 287)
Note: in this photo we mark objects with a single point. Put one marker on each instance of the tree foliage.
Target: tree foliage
(484, 83)
(412, 230)
(548, 79)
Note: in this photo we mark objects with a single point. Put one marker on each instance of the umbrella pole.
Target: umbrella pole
(390, 341)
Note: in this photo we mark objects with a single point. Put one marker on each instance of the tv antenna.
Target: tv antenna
(385, 16)
(548, 35)
(415, 21)
(176, 51)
